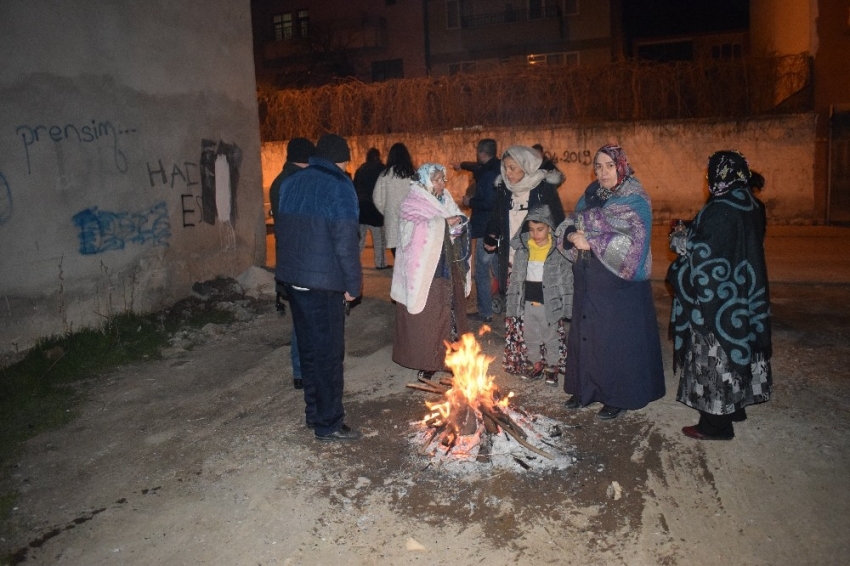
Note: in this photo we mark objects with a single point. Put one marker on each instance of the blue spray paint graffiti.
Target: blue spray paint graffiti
(31, 135)
(5, 200)
(102, 231)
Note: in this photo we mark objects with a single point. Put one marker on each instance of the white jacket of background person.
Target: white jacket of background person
(388, 194)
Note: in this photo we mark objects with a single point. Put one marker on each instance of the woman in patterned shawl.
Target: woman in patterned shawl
(721, 307)
(613, 349)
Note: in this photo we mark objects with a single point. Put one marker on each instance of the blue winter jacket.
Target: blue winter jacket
(318, 230)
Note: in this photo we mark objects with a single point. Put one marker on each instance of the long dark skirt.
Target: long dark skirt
(419, 338)
(614, 346)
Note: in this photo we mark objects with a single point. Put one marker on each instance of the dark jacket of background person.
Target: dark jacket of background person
(498, 225)
(319, 230)
(484, 200)
(298, 150)
(274, 191)
(364, 184)
(721, 303)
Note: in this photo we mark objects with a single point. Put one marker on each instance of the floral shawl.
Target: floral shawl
(618, 228)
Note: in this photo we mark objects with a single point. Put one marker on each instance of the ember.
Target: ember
(473, 413)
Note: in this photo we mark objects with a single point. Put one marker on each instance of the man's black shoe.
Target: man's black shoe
(573, 403)
(298, 383)
(344, 433)
(609, 412)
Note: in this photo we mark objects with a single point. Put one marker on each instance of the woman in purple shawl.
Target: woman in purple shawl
(613, 349)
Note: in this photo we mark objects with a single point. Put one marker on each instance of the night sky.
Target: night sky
(652, 18)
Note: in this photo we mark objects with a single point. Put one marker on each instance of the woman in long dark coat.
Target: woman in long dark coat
(721, 307)
(613, 349)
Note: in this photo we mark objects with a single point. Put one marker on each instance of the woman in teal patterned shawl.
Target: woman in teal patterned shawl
(720, 320)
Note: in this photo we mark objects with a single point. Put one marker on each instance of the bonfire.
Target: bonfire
(472, 411)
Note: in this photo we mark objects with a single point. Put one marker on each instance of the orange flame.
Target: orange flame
(472, 386)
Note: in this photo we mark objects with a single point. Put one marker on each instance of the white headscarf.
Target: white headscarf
(529, 160)
(426, 171)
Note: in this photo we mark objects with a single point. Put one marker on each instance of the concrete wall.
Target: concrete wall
(669, 158)
(129, 157)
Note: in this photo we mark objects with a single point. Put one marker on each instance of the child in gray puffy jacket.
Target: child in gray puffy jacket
(539, 301)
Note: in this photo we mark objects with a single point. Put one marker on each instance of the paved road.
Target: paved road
(795, 254)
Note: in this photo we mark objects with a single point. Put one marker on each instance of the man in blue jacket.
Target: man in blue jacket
(318, 260)
(484, 171)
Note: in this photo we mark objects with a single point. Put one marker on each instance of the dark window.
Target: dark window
(727, 51)
(303, 23)
(452, 14)
(670, 51)
(289, 25)
(389, 69)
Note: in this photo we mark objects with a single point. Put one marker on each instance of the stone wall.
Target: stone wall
(129, 158)
(669, 158)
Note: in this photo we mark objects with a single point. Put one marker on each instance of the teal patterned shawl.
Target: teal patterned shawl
(720, 285)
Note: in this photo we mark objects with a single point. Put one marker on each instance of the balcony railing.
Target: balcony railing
(509, 16)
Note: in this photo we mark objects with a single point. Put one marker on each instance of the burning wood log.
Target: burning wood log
(504, 420)
(433, 388)
(471, 401)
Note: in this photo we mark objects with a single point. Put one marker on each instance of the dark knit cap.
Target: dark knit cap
(299, 150)
(334, 148)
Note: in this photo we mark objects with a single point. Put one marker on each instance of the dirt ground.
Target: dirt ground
(203, 458)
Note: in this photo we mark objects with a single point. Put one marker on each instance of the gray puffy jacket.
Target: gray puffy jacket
(557, 273)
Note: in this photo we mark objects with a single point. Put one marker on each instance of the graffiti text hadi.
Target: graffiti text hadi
(184, 175)
(32, 136)
(101, 230)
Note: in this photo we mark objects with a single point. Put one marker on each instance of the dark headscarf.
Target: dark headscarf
(618, 155)
(727, 170)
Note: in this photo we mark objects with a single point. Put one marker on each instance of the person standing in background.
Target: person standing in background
(371, 219)
(391, 188)
(298, 152)
(486, 264)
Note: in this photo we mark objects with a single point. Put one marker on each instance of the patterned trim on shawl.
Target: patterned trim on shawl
(720, 284)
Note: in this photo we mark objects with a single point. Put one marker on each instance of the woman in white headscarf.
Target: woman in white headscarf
(523, 185)
(431, 275)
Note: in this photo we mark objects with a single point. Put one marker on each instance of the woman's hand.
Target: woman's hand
(578, 240)
(454, 220)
